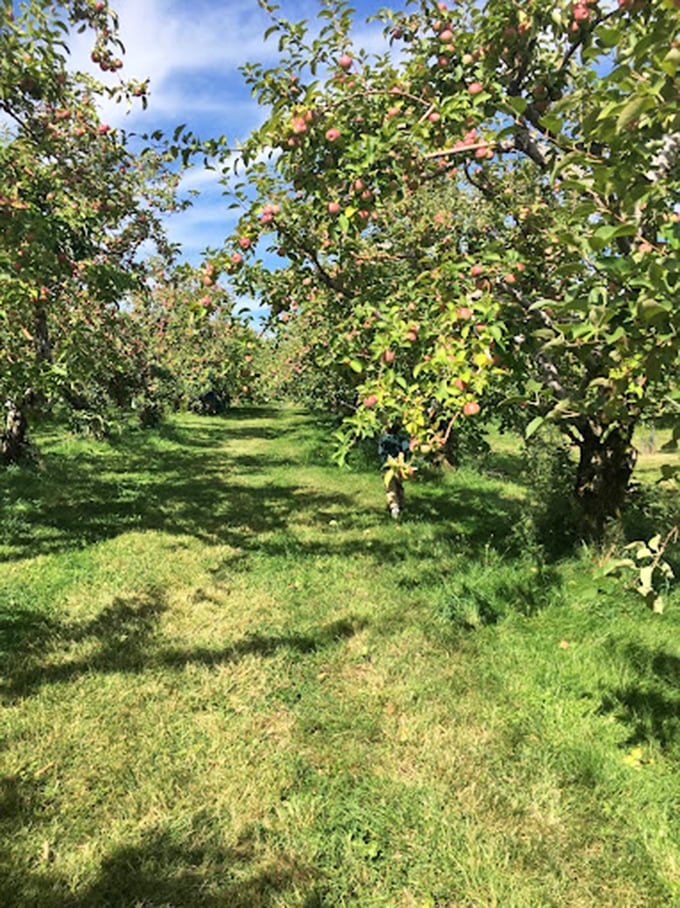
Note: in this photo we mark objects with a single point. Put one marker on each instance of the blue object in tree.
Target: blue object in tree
(391, 445)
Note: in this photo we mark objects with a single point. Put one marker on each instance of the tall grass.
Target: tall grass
(229, 679)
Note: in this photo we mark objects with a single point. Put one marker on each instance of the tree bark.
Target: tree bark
(13, 443)
(606, 462)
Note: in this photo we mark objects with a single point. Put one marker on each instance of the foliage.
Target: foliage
(651, 574)
(77, 204)
(484, 217)
(202, 355)
(550, 521)
(299, 365)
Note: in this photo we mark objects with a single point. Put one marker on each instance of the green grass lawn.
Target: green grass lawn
(228, 679)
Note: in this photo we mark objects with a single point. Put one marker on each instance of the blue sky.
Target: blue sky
(191, 51)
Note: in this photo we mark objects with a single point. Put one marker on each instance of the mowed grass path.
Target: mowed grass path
(228, 679)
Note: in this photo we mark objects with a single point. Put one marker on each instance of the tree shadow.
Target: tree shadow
(125, 638)
(191, 488)
(505, 465)
(121, 638)
(24, 630)
(182, 480)
(12, 799)
(167, 869)
(265, 645)
(485, 517)
(649, 707)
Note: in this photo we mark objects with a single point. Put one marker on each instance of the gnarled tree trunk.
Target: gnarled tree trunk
(13, 443)
(606, 462)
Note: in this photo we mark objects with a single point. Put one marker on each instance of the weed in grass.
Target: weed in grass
(485, 593)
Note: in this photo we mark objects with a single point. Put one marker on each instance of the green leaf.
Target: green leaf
(535, 424)
(671, 62)
(646, 574)
(655, 542)
(632, 110)
(609, 37)
(552, 123)
(613, 568)
(519, 105)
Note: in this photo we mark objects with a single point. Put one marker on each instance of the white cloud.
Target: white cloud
(191, 53)
(177, 46)
(161, 38)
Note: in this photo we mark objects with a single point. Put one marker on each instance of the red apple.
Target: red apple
(470, 408)
(332, 134)
(370, 401)
(345, 61)
(475, 88)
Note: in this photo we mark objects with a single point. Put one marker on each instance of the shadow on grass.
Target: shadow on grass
(11, 799)
(24, 630)
(175, 870)
(192, 478)
(265, 645)
(484, 517)
(125, 638)
(650, 706)
(120, 638)
(188, 485)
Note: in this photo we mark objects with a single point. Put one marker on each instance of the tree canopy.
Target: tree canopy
(78, 204)
(483, 217)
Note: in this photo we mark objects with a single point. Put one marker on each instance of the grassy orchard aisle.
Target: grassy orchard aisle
(230, 680)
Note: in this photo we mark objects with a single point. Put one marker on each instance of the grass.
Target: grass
(230, 680)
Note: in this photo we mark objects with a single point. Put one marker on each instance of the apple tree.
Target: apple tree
(198, 354)
(490, 209)
(77, 203)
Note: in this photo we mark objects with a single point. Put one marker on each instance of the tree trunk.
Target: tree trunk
(13, 443)
(606, 463)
